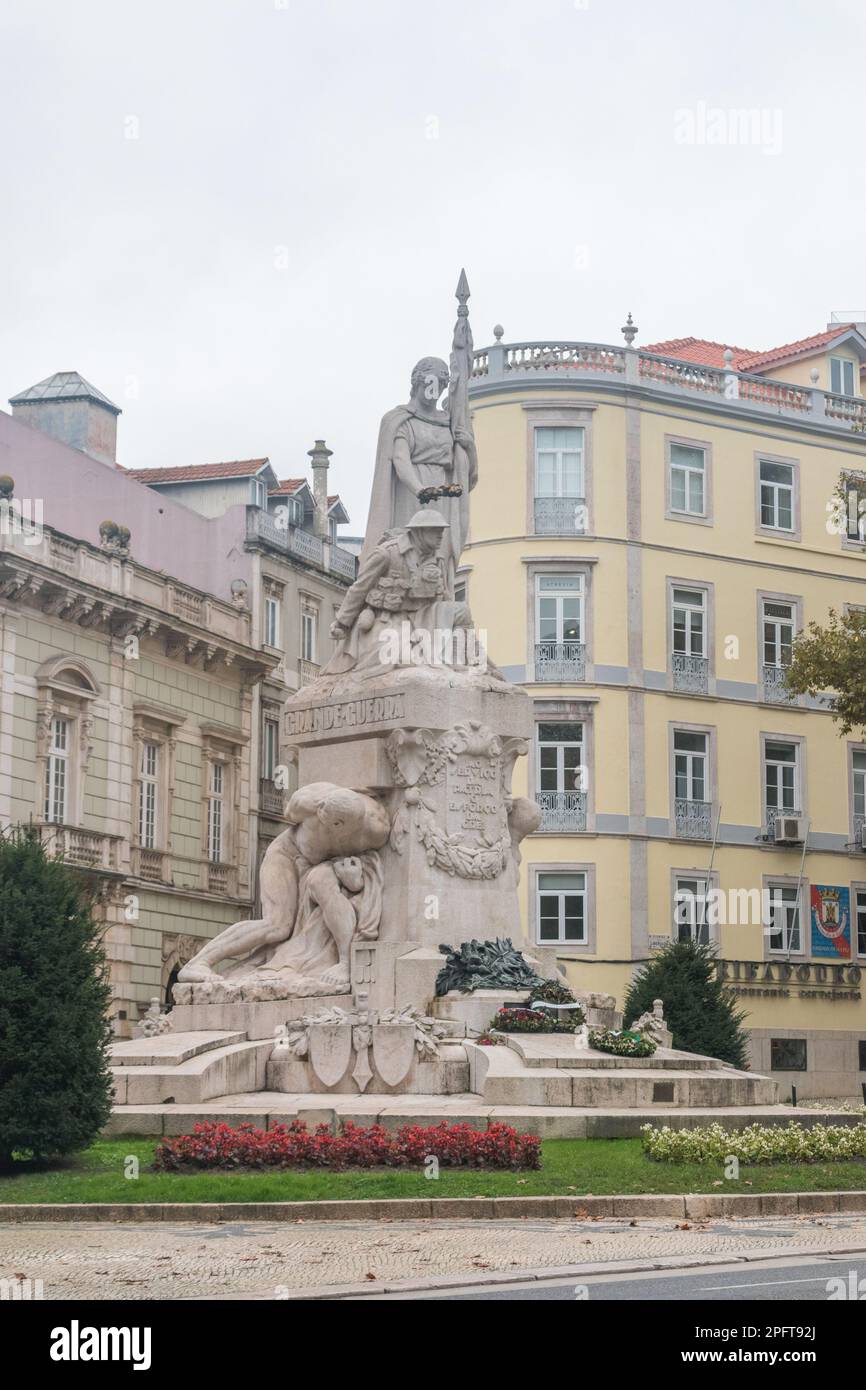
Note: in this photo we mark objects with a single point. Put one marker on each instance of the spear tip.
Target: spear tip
(462, 292)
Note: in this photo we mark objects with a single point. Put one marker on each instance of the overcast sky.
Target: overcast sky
(244, 219)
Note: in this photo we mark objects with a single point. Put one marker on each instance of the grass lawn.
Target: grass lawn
(571, 1167)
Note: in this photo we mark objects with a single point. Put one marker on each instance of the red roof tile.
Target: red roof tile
(701, 350)
(803, 345)
(286, 485)
(707, 353)
(193, 472)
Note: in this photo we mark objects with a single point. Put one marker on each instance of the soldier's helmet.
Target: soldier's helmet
(427, 519)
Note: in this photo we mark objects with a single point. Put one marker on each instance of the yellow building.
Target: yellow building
(651, 529)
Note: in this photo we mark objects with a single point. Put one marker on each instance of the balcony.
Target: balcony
(776, 690)
(690, 673)
(86, 849)
(149, 864)
(693, 819)
(562, 813)
(308, 671)
(342, 562)
(560, 662)
(560, 516)
(221, 879)
(271, 798)
(859, 822)
(567, 363)
(261, 526)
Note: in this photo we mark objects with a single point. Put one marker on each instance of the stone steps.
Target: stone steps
(267, 1108)
(192, 1072)
(500, 1076)
(170, 1049)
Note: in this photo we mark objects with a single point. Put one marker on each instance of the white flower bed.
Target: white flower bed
(791, 1143)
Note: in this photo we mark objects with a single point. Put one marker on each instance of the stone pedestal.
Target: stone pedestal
(437, 746)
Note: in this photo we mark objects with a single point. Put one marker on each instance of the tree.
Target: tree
(55, 1085)
(833, 659)
(700, 1010)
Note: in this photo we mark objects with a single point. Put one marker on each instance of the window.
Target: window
(858, 785)
(272, 621)
(332, 530)
(308, 636)
(560, 608)
(841, 376)
(561, 776)
(258, 493)
(560, 757)
(215, 813)
(559, 627)
(687, 479)
(690, 766)
(689, 624)
(270, 748)
(460, 591)
(781, 777)
(779, 626)
(783, 928)
(788, 1054)
(57, 772)
(776, 495)
(562, 908)
(559, 463)
(860, 920)
(148, 795)
(861, 1055)
(690, 909)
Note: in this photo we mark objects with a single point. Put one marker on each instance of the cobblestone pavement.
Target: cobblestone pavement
(92, 1260)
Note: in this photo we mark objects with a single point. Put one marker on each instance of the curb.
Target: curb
(672, 1263)
(697, 1206)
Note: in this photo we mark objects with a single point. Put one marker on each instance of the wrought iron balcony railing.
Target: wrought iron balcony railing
(690, 673)
(560, 661)
(775, 686)
(564, 812)
(694, 819)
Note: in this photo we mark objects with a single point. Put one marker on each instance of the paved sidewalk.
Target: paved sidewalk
(271, 1260)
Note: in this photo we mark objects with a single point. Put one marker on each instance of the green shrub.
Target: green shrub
(790, 1143)
(700, 1010)
(55, 1086)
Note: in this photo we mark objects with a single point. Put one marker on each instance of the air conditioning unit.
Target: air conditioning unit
(789, 830)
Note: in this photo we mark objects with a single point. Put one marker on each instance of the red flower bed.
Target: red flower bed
(293, 1146)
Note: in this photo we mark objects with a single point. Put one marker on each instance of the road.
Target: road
(798, 1280)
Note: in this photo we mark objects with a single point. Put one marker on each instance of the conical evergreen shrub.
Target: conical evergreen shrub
(700, 1009)
(55, 1086)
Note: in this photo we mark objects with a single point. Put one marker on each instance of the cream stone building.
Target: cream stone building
(141, 658)
(651, 529)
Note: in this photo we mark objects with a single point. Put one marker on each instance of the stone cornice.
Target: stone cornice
(24, 580)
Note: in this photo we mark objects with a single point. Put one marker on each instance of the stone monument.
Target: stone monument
(389, 934)
(404, 833)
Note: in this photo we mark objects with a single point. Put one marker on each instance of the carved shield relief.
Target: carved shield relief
(330, 1051)
(393, 1051)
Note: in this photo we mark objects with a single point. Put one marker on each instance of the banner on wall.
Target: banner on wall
(831, 922)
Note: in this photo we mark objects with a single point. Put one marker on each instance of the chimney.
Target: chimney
(69, 409)
(320, 455)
